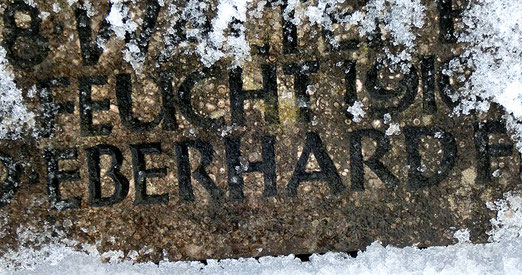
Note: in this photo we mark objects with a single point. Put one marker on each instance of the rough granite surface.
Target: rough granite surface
(319, 214)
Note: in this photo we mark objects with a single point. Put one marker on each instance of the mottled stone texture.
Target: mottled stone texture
(183, 161)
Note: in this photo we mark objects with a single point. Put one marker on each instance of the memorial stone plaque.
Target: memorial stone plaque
(215, 129)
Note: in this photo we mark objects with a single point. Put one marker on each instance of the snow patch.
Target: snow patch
(229, 12)
(16, 119)
(394, 129)
(493, 35)
(462, 236)
(357, 111)
(508, 223)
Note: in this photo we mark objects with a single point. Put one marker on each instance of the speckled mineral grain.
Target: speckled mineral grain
(194, 130)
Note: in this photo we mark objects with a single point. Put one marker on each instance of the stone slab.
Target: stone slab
(171, 158)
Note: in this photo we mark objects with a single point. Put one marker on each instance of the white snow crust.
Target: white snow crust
(357, 111)
(493, 35)
(15, 118)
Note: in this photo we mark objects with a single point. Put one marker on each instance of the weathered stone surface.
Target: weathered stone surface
(188, 170)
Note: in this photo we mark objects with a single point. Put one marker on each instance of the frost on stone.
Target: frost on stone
(399, 17)
(394, 129)
(357, 111)
(502, 257)
(56, 8)
(392, 20)
(87, 6)
(228, 12)
(71, 2)
(508, 223)
(387, 118)
(113, 256)
(122, 25)
(462, 236)
(192, 17)
(16, 119)
(30, 3)
(55, 254)
(515, 126)
(212, 39)
(124, 28)
(119, 19)
(223, 35)
(493, 37)
(52, 245)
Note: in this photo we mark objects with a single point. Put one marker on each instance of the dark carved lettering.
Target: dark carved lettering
(200, 174)
(167, 95)
(141, 174)
(124, 100)
(428, 84)
(121, 183)
(350, 93)
(328, 35)
(268, 93)
(301, 73)
(87, 106)
(332, 46)
(289, 29)
(328, 172)
(185, 103)
(449, 146)
(48, 107)
(235, 168)
(147, 28)
(357, 162)
(374, 39)
(180, 35)
(486, 150)
(407, 86)
(55, 177)
(35, 47)
(11, 182)
(446, 24)
(91, 50)
(446, 91)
